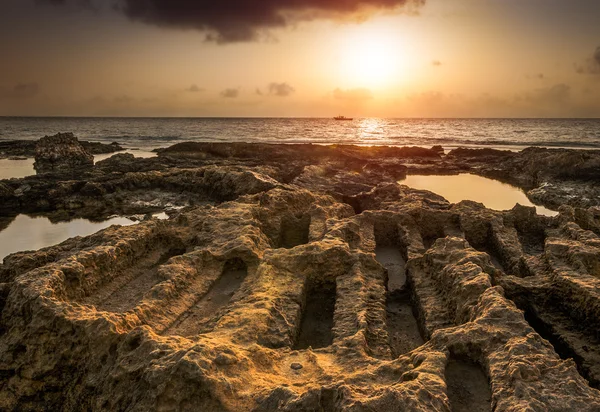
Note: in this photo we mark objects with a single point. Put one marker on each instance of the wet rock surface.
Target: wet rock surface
(426, 305)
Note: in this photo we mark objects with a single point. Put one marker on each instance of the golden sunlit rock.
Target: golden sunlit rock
(310, 282)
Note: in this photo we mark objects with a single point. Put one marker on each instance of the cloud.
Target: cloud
(194, 89)
(559, 100)
(431, 97)
(355, 95)
(124, 99)
(591, 65)
(230, 93)
(558, 94)
(20, 91)
(436, 63)
(281, 89)
(228, 21)
(536, 76)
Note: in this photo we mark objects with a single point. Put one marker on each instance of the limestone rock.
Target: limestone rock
(61, 153)
(268, 289)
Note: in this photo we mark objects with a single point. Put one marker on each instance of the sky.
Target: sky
(300, 58)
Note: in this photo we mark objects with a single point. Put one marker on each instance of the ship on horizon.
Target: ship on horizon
(343, 118)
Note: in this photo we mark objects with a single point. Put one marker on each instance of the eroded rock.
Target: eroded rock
(273, 294)
(61, 153)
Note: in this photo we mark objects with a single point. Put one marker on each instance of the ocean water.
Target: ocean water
(150, 133)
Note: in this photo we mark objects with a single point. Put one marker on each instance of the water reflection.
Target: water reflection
(10, 169)
(32, 233)
(137, 153)
(16, 168)
(492, 193)
(370, 130)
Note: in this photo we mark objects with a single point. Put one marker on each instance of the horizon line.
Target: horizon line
(295, 117)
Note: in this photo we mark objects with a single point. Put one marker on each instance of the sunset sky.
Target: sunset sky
(377, 58)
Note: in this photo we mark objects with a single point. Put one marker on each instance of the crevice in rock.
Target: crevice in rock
(391, 253)
(432, 228)
(353, 202)
(403, 327)
(127, 290)
(429, 237)
(208, 310)
(294, 231)
(488, 246)
(467, 385)
(391, 259)
(532, 242)
(4, 291)
(531, 231)
(496, 261)
(495, 257)
(317, 315)
(429, 240)
(568, 340)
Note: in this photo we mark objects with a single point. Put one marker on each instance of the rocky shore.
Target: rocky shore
(25, 149)
(305, 278)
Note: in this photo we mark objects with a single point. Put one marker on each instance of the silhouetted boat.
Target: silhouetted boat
(343, 118)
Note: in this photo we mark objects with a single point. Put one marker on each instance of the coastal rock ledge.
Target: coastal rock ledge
(313, 282)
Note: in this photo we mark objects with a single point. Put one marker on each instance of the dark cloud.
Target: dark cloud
(240, 20)
(355, 95)
(20, 91)
(281, 89)
(230, 93)
(591, 65)
(194, 89)
(436, 63)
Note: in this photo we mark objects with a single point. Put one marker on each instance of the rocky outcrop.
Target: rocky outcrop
(348, 173)
(61, 153)
(304, 277)
(26, 148)
(274, 297)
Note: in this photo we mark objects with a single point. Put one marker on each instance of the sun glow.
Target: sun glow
(371, 58)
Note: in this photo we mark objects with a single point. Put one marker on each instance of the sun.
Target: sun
(371, 58)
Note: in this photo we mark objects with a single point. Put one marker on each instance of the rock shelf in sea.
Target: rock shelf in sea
(267, 290)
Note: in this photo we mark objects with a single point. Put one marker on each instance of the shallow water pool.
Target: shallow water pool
(492, 193)
(10, 169)
(33, 233)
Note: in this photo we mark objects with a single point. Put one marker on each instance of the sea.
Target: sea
(146, 134)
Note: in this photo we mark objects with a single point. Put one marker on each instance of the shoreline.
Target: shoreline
(413, 160)
(516, 147)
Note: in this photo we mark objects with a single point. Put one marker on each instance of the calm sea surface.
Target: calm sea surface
(151, 133)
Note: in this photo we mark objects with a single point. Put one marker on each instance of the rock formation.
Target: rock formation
(18, 149)
(300, 285)
(61, 153)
